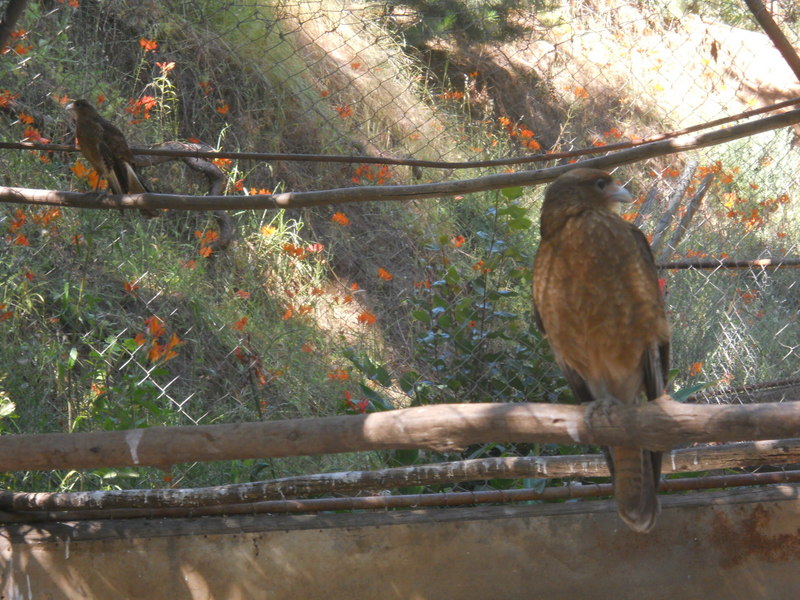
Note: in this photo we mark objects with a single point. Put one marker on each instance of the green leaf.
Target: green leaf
(512, 193)
(423, 316)
(520, 224)
(408, 381)
(515, 211)
(7, 409)
(382, 376)
(682, 395)
(378, 401)
(73, 357)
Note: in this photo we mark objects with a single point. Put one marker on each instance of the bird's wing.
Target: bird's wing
(656, 362)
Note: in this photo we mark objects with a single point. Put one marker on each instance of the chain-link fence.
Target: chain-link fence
(116, 322)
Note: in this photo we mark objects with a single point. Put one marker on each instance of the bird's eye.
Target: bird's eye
(601, 184)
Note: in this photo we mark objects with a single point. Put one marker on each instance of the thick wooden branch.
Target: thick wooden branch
(392, 192)
(660, 424)
(701, 458)
(383, 502)
(770, 27)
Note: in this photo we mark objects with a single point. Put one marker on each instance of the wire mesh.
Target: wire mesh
(119, 322)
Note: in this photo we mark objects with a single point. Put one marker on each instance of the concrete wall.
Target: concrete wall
(743, 544)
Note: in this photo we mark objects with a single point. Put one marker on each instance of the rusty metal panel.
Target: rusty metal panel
(743, 544)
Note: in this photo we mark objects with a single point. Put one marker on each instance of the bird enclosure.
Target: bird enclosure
(348, 197)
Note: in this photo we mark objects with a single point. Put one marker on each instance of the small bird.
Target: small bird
(597, 300)
(105, 148)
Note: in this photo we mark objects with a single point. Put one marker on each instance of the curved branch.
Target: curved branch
(393, 192)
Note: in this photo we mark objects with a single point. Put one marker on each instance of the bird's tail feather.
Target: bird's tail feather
(136, 184)
(635, 484)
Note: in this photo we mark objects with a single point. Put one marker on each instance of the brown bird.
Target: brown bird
(597, 300)
(105, 148)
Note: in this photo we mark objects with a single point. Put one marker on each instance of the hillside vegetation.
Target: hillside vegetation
(113, 321)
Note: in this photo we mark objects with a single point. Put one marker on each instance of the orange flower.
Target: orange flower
(155, 326)
(139, 340)
(223, 108)
(101, 98)
(243, 294)
(130, 287)
(288, 314)
(268, 230)
(31, 134)
(165, 67)
(367, 318)
(695, 369)
(340, 218)
(20, 218)
(384, 274)
(458, 241)
(344, 111)
(6, 98)
(239, 325)
(148, 45)
(339, 375)
(21, 240)
(205, 251)
(156, 351)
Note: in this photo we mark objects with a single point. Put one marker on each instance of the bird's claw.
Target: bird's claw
(603, 406)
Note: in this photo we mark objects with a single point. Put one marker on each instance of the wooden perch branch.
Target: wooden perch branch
(389, 192)
(405, 161)
(660, 424)
(703, 458)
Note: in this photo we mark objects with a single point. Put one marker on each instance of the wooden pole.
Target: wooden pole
(658, 425)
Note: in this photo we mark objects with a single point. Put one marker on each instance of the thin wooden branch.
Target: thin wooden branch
(672, 208)
(730, 263)
(591, 490)
(661, 424)
(389, 192)
(702, 458)
(691, 209)
(775, 34)
(434, 164)
(648, 206)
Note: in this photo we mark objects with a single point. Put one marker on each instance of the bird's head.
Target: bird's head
(588, 187)
(80, 107)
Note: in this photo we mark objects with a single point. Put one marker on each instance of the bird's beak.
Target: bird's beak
(617, 193)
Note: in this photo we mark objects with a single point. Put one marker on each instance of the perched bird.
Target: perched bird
(105, 148)
(597, 300)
